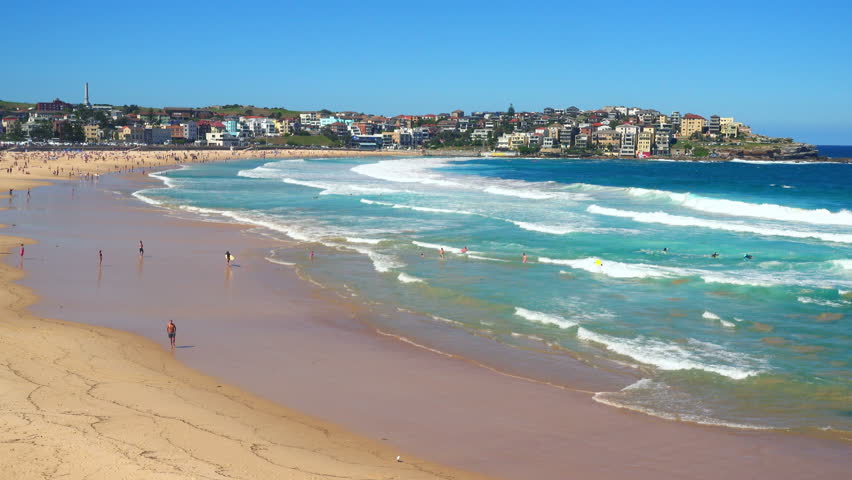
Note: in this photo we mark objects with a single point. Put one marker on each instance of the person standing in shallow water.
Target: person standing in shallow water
(141, 249)
(228, 257)
(171, 330)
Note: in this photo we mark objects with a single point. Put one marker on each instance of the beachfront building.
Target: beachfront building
(92, 133)
(715, 126)
(56, 105)
(368, 142)
(232, 125)
(503, 141)
(662, 139)
(729, 130)
(480, 135)
(7, 123)
(691, 124)
(190, 131)
(675, 120)
(607, 140)
(519, 139)
(257, 126)
(222, 139)
(310, 120)
(645, 143)
(628, 145)
(156, 135)
(131, 134)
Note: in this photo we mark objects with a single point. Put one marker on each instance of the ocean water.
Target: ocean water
(618, 265)
(835, 151)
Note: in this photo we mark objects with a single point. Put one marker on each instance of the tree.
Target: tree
(15, 133)
(700, 151)
(526, 150)
(74, 133)
(249, 111)
(102, 119)
(42, 131)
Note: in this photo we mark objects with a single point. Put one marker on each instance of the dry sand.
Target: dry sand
(19, 169)
(78, 401)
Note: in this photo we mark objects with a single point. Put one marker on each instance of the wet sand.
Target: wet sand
(259, 327)
(80, 401)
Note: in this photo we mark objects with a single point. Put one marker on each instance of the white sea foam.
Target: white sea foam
(489, 259)
(435, 246)
(338, 188)
(279, 262)
(416, 208)
(382, 263)
(370, 241)
(817, 301)
(422, 170)
(727, 324)
(375, 202)
(659, 400)
(745, 209)
(619, 269)
(710, 316)
(537, 227)
(408, 170)
(682, 221)
(694, 355)
(406, 278)
(140, 195)
(844, 264)
(545, 318)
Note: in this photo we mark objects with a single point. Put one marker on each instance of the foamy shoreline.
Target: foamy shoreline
(82, 401)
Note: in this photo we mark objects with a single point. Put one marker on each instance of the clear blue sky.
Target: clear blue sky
(782, 67)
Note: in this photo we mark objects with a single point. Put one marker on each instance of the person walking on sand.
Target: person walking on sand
(100, 256)
(22, 250)
(141, 249)
(312, 255)
(171, 329)
(228, 257)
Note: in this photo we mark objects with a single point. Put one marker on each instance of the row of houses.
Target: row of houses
(614, 130)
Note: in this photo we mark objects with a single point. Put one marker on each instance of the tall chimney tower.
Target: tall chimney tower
(87, 95)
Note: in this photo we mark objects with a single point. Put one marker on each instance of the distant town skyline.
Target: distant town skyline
(782, 68)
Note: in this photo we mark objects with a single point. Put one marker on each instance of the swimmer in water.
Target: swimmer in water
(665, 249)
(747, 256)
(524, 258)
(441, 252)
(464, 250)
(715, 255)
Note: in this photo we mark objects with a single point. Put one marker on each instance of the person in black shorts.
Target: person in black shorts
(141, 249)
(171, 329)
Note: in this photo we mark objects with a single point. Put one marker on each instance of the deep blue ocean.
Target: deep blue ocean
(620, 265)
(835, 151)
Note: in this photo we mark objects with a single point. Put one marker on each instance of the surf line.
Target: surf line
(479, 364)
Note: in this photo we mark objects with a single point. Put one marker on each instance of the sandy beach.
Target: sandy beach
(103, 397)
(81, 401)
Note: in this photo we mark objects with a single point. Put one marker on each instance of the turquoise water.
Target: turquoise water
(619, 265)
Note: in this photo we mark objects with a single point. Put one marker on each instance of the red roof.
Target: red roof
(254, 116)
(693, 116)
(597, 124)
(218, 124)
